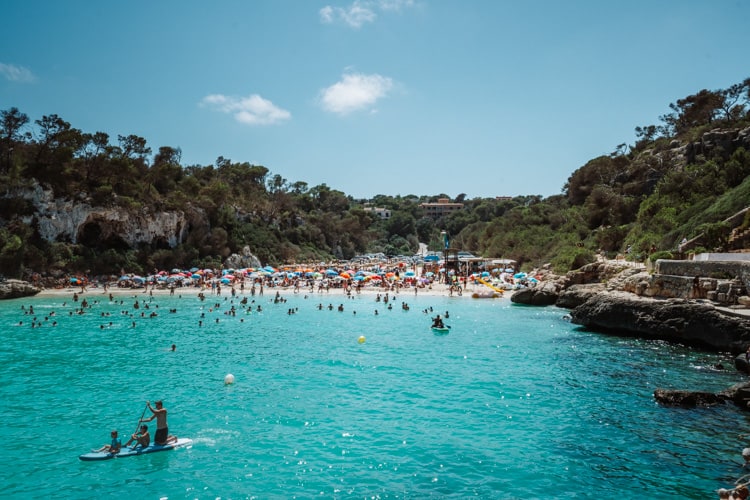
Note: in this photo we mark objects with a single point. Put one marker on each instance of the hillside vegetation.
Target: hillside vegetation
(680, 178)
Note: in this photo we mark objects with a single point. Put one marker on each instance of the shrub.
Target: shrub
(664, 254)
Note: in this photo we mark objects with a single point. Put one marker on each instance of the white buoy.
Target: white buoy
(228, 379)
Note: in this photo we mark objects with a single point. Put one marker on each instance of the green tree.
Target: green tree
(13, 122)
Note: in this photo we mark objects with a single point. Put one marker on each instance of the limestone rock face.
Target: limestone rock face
(243, 260)
(14, 289)
(675, 320)
(76, 221)
(578, 294)
(544, 294)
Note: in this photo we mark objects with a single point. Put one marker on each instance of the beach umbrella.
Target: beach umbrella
(122, 278)
(225, 280)
(345, 275)
(359, 278)
(485, 274)
(194, 269)
(429, 273)
(519, 276)
(332, 272)
(509, 270)
(138, 279)
(409, 274)
(431, 258)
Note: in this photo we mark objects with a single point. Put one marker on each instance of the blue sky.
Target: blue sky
(397, 97)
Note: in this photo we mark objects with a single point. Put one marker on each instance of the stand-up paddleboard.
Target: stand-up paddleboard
(441, 330)
(130, 452)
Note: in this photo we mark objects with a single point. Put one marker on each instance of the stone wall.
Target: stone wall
(724, 257)
(706, 269)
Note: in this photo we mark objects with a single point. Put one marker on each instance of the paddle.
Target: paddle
(138, 425)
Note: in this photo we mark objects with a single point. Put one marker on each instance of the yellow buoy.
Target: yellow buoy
(361, 339)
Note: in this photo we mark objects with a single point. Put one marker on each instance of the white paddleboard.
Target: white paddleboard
(131, 452)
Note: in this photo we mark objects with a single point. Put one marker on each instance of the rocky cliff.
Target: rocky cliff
(14, 289)
(676, 320)
(76, 221)
(687, 309)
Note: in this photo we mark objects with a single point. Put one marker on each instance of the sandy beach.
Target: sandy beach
(436, 290)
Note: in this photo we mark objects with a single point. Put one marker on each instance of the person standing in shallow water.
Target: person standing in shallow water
(162, 430)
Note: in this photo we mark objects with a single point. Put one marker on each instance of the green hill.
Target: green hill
(72, 201)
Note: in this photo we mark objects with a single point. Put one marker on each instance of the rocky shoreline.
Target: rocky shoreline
(15, 289)
(614, 298)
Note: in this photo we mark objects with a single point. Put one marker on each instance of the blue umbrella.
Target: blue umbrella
(519, 275)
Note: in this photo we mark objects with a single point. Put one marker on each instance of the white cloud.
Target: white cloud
(251, 110)
(360, 12)
(354, 92)
(17, 73)
(395, 4)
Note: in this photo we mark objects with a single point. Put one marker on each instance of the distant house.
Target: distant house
(383, 213)
(443, 207)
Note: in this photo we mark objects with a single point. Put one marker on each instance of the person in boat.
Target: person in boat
(437, 322)
(159, 413)
(113, 447)
(142, 438)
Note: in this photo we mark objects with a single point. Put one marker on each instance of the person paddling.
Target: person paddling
(437, 322)
(162, 436)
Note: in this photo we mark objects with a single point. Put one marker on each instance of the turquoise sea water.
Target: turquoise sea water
(514, 402)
